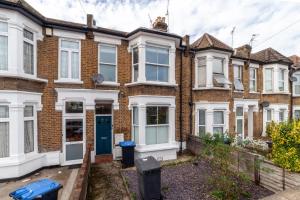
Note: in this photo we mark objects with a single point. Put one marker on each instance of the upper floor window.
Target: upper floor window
(135, 63)
(296, 84)
(4, 131)
(238, 77)
(69, 59)
(3, 46)
(201, 71)
(281, 83)
(252, 79)
(268, 80)
(28, 52)
(157, 64)
(108, 62)
(219, 79)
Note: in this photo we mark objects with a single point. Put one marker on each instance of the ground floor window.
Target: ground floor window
(281, 115)
(28, 129)
(135, 124)
(297, 114)
(157, 124)
(4, 131)
(239, 120)
(201, 124)
(218, 122)
(269, 118)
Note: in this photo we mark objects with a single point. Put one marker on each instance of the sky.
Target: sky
(276, 23)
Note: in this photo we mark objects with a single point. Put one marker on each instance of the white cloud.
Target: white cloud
(193, 17)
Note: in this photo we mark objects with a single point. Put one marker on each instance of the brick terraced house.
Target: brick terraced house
(155, 88)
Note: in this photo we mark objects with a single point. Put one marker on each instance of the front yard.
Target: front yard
(191, 180)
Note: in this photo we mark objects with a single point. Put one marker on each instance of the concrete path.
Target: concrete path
(289, 194)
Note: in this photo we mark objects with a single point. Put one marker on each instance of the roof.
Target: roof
(270, 55)
(24, 8)
(207, 41)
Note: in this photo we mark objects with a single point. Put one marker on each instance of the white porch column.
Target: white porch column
(16, 130)
(172, 131)
(209, 120)
(142, 124)
(209, 71)
(142, 60)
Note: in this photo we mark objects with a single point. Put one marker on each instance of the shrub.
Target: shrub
(286, 144)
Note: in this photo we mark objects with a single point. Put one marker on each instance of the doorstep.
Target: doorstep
(104, 158)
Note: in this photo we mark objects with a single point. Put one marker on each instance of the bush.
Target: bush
(286, 144)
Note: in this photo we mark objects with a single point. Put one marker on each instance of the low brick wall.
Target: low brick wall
(80, 188)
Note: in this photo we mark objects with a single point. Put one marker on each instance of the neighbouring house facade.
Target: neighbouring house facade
(155, 88)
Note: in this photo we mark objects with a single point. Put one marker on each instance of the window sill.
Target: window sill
(69, 81)
(237, 91)
(152, 83)
(17, 160)
(108, 83)
(211, 88)
(267, 93)
(253, 92)
(23, 76)
(296, 95)
(155, 147)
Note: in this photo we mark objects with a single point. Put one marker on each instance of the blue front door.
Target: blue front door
(103, 135)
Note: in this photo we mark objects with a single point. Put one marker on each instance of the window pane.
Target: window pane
(162, 134)
(151, 135)
(4, 112)
(104, 109)
(75, 65)
(163, 115)
(297, 89)
(218, 65)
(151, 55)
(281, 115)
(64, 57)
(268, 74)
(3, 27)
(237, 72)
(297, 114)
(269, 115)
(218, 130)
(151, 115)
(74, 107)
(202, 131)
(135, 72)
(135, 55)
(239, 126)
(28, 58)
(135, 115)
(252, 73)
(107, 54)
(74, 130)
(74, 151)
(202, 76)
(239, 111)
(109, 72)
(136, 134)
(163, 73)
(218, 117)
(28, 35)
(252, 85)
(3, 53)
(28, 136)
(28, 111)
(201, 117)
(151, 73)
(69, 44)
(163, 56)
(4, 139)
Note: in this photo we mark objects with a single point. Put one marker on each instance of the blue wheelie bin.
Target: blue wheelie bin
(127, 153)
(44, 189)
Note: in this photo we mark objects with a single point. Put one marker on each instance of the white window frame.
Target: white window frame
(135, 64)
(157, 64)
(111, 64)
(238, 76)
(281, 80)
(198, 68)
(5, 34)
(296, 83)
(240, 118)
(69, 79)
(219, 125)
(253, 79)
(134, 125)
(198, 120)
(265, 79)
(32, 42)
(34, 119)
(7, 120)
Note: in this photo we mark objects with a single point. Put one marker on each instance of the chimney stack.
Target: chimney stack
(90, 22)
(160, 24)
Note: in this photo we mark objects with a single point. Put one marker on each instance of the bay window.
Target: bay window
(28, 129)
(296, 85)
(239, 115)
(108, 62)
(4, 131)
(135, 124)
(281, 115)
(201, 71)
(3, 46)
(268, 80)
(135, 64)
(157, 64)
(28, 52)
(281, 83)
(252, 79)
(238, 77)
(218, 122)
(219, 79)
(157, 124)
(201, 124)
(69, 59)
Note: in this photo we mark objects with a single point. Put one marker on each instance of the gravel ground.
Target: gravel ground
(188, 182)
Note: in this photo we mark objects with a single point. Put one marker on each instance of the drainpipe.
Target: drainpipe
(192, 56)
(180, 103)
(292, 70)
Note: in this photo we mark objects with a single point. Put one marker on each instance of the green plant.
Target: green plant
(286, 144)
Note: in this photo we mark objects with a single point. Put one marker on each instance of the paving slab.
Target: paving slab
(289, 194)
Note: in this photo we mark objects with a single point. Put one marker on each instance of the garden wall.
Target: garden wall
(80, 188)
(261, 171)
